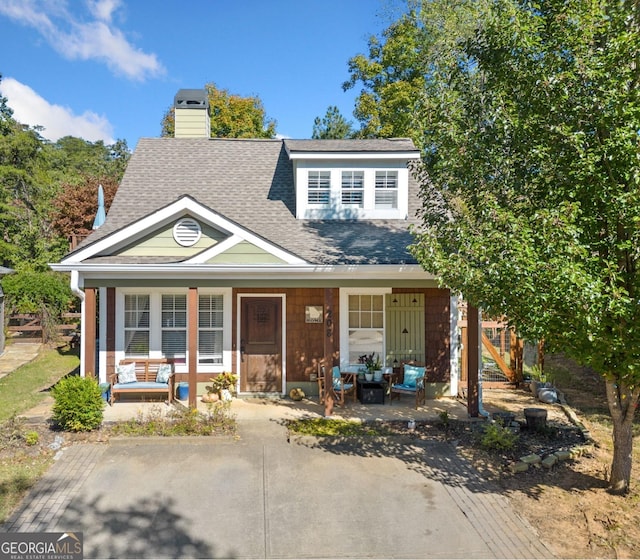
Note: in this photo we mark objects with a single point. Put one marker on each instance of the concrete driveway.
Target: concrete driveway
(263, 496)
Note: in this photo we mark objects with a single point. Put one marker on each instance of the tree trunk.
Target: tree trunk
(623, 401)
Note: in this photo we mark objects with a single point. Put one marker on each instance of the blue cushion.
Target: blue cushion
(140, 385)
(411, 374)
(403, 387)
(164, 372)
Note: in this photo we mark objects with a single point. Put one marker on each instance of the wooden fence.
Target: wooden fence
(28, 327)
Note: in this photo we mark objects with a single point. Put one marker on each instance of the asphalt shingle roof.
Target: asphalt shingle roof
(251, 183)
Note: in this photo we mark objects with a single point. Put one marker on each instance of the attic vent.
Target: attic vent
(187, 232)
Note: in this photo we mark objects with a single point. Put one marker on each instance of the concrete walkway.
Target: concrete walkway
(17, 354)
(267, 494)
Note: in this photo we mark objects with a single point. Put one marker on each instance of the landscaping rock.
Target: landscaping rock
(549, 461)
(532, 459)
(519, 467)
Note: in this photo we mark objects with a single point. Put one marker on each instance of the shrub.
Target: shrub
(497, 437)
(31, 438)
(78, 405)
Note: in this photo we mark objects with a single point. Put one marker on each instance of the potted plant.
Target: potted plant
(372, 363)
(222, 385)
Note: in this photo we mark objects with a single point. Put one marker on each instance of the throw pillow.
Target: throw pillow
(127, 373)
(411, 374)
(164, 372)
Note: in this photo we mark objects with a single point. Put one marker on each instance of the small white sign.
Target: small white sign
(314, 314)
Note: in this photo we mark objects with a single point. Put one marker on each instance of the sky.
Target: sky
(109, 69)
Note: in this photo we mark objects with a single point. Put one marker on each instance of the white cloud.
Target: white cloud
(58, 121)
(103, 9)
(95, 39)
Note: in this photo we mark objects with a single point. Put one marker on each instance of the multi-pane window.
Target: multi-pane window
(319, 187)
(136, 325)
(386, 189)
(174, 326)
(353, 188)
(366, 325)
(210, 328)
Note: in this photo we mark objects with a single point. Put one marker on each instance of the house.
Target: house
(261, 257)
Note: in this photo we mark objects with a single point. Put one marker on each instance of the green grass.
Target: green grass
(334, 427)
(28, 386)
(20, 391)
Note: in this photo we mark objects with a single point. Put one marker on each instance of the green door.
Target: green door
(405, 335)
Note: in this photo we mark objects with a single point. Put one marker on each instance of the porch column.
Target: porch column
(473, 361)
(328, 351)
(89, 335)
(111, 331)
(192, 351)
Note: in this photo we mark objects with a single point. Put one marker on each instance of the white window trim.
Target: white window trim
(155, 330)
(226, 331)
(344, 318)
(335, 210)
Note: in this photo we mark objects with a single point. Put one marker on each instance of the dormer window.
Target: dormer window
(386, 189)
(364, 179)
(319, 187)
(353, 188)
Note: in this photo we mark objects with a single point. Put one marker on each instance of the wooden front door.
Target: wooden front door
(261, 345)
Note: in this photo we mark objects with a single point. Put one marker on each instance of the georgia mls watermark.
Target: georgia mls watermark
(40, 546)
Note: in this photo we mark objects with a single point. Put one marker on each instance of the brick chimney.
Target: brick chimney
(191, 108)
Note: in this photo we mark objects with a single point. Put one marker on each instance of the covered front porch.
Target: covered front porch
(284, 408)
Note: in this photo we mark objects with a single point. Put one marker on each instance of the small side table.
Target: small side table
(371, 392)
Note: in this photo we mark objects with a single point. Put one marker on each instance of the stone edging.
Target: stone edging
(550, 460)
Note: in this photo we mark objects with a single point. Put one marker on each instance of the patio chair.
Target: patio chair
(343, 385)
(409, 381)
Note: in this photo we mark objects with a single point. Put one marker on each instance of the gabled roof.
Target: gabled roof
(251, 183)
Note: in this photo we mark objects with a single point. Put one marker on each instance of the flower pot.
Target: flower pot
(105, 388)
(536, 418)
(377, 375)
(182, 390)
(225, 395)
(368, 376)
(504, 417)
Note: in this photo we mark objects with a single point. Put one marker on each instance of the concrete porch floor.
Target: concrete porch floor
(274, 408)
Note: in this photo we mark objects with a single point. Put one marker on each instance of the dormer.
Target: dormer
(351, 179)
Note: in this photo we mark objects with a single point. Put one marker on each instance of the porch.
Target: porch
(274, 409)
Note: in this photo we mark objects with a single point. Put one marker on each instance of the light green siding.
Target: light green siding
(161, 243)
(191, 123)
(245, 253)
(405, 327)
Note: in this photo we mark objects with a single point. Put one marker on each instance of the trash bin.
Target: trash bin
(182, 390)
(106, 389)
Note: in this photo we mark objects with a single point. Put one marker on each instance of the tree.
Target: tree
(73, 159)
(32, 174)
(531, 185)
(6, 115)
(333, 126)
(232, 116)
(403, 69)
(75, 205)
